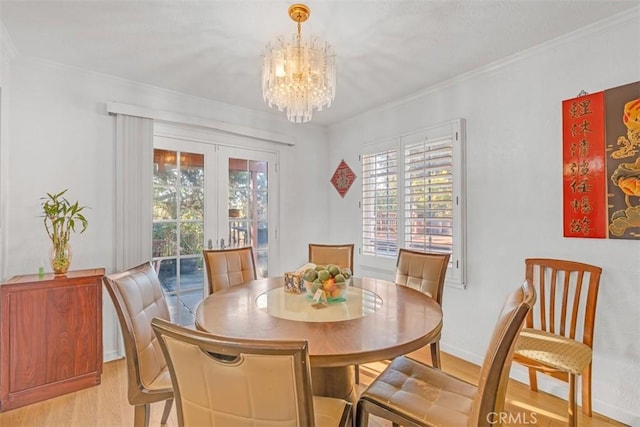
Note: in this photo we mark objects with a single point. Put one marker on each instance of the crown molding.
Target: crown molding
(629, 16)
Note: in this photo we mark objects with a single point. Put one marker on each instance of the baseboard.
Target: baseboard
(476, 359)
(112, 355)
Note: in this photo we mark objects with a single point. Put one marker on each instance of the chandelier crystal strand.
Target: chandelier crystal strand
(299, 76)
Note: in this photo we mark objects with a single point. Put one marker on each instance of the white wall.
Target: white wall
(7, 52)
(514, 202)
(61, 137)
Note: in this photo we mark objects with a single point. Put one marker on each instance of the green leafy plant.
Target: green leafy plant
(61, 217)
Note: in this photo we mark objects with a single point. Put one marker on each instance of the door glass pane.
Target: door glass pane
(164, 163)
(192, 203)
(191, 238)
(164, 203)
(248, 208)
(178, 229)
(192, 170)
(164, 239)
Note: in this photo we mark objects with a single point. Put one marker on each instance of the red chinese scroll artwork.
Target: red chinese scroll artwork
(584, 184)
(601, 164)
(342, 178)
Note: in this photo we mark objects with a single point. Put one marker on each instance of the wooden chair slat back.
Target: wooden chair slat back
(567, 295)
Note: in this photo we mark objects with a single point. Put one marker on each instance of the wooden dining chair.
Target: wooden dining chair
(424, 272)
(410, 393)
(222, 381)
(229, 267)
(137, 296)
(340, 255)
(558, 336)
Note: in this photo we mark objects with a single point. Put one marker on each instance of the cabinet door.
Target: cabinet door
(53, 335)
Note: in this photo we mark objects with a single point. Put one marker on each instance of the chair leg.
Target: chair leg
(362, 416)
(141, 414)
(435, 355)
(533, 380)
(586, 391)
(167, 410)
(357, 369)
(573, 406)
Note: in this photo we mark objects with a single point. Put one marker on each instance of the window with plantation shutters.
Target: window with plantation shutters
(428, 195)
(413, 197)
(380, 203)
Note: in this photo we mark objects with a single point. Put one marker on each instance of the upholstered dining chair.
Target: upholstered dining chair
(219, 381)
(424, 272)
(413, 394)
(558, 336)
(340, 255)
(137, 296)
(229, 267)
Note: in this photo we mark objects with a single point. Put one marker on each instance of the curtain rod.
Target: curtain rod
(168, 116)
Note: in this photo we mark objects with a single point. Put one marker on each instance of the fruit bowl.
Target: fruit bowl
(330, 279)
(333, 292)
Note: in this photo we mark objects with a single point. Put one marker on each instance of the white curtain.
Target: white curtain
(134, 191)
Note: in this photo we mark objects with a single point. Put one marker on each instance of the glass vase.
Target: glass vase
(60, 258)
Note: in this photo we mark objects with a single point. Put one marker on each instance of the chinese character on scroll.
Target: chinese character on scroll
(601, 164)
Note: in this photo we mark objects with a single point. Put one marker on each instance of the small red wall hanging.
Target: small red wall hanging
(601, 164)
(342, 178)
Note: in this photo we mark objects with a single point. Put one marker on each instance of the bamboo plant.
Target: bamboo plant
(61, 217)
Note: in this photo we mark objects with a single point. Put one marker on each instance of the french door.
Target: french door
(208, 196)
(248, 218)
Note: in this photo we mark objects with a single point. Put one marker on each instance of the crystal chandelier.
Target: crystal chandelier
(300, 75)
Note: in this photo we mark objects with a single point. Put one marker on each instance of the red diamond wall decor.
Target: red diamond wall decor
(342, 178)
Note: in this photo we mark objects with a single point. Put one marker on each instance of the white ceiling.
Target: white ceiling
(386, 49)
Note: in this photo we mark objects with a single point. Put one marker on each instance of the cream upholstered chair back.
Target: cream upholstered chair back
(494, 374)
(137, 297)
(340, 255)
(243, 382)
(422, 271)
(229, 267)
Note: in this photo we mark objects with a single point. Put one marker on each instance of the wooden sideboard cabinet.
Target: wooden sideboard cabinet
(50, 336)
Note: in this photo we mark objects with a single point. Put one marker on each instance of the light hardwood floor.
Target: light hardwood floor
(106, 405)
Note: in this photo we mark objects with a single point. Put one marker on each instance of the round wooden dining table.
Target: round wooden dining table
(378, 320)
